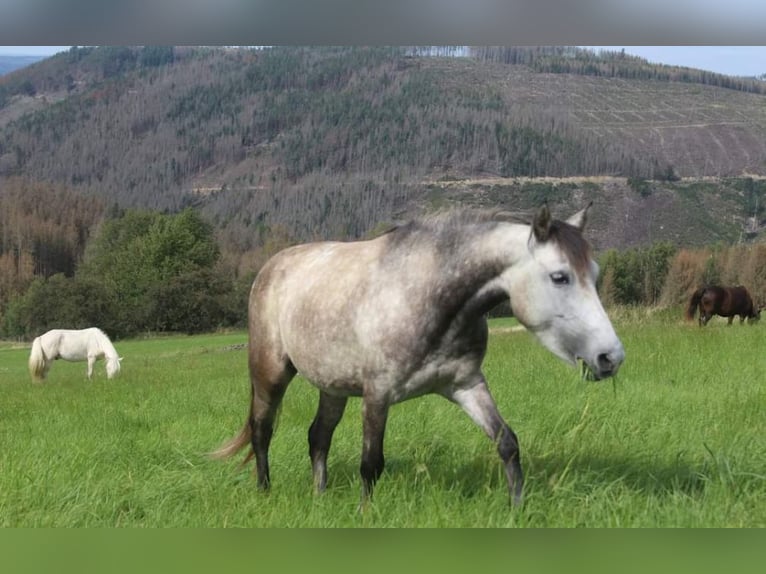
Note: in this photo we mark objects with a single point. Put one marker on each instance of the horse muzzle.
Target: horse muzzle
(604, 366)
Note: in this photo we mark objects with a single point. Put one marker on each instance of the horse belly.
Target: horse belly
(332, 369)
(709, 306)
(396, 380)
(397, 387)
(72, 350)
(72, 355)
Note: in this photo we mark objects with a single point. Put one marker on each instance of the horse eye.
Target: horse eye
(560, 278)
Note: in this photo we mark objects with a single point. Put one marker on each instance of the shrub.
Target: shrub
(635, 276)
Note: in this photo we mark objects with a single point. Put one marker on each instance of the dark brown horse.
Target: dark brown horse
(723, 301)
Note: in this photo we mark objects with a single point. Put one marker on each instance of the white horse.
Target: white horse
(71, 345)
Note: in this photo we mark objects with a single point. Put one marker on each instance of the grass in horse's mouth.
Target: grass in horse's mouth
(587, 374)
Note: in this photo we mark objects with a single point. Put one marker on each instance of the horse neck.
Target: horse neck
(105, 345)
(485, 250)
(473, 261)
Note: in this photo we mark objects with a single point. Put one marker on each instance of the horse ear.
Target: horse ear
(541, 226)
(580, 218)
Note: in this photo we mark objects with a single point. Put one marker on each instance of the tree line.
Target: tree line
(131, 271)
(665, 276)
(608, 63)
(44, 229)
(142, 271)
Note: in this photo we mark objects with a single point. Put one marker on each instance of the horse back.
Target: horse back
(74, 344)
(728, 301)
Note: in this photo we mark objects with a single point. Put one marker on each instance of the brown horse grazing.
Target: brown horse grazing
(404, 315)
(723, 301)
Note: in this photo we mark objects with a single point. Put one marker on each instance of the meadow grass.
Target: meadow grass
(676, 441)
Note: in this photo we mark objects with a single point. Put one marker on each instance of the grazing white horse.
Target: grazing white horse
(404, 315)
(72, 345)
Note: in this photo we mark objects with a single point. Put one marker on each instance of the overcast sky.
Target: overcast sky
(732, 60)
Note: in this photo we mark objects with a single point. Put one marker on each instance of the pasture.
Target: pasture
(677, 440)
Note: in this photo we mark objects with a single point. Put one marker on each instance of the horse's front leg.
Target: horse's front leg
(374, 417)
(478, 403)
(328, 416)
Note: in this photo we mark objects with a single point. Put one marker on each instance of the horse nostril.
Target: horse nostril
(608, 363)
(604, 362)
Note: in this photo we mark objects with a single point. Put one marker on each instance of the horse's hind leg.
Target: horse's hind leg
(91, 362)
(374, 417)
(269, 378)
(477, 402)
(328, 416)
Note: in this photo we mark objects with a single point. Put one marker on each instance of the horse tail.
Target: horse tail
(37, 360)
(241, 440)
(693, 303)
(234, 445)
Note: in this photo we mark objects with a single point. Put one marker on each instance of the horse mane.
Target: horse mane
(445, 227)
(106, 344)
(444, 220)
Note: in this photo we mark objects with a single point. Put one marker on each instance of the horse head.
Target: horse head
(553, 293)
(112, 366)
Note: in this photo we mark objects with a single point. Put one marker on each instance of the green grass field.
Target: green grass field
(676, 441)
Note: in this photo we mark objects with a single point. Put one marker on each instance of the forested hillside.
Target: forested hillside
(331, 141)
(286, 144)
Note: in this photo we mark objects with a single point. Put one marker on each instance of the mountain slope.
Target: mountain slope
(331, 142)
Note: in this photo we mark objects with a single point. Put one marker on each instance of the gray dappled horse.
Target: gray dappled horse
(404, 314)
